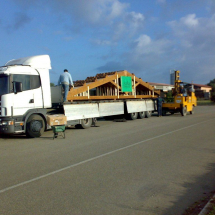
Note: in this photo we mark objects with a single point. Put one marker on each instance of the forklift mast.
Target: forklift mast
(177, 83)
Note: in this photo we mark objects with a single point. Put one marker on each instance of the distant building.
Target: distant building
(162, 87)
(172, 78)
(204, 88)
(202, 91)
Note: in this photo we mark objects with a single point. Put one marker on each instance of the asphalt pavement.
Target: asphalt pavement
(154, 166)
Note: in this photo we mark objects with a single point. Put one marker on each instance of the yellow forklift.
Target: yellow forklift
(184, 98)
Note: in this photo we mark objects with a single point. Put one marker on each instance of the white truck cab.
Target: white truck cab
(24, 95)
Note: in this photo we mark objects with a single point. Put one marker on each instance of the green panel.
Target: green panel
(126, 84)
(58, 128)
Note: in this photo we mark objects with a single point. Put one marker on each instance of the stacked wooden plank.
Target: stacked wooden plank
(108, 86)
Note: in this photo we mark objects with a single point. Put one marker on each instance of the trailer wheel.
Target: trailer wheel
(192, 111)
(133, 116)
(85, 123)
(141, 115)
(35, 126)
(148, 114)
(184, 111)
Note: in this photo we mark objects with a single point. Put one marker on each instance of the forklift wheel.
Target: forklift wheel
(184, 111)
(192, 111)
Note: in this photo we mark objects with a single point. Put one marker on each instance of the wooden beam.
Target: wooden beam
(115, 84)
(98, 83)
(137, 84)
(140, 81)
(83, 98)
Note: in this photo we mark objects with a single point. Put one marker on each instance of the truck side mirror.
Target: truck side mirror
(17, 87)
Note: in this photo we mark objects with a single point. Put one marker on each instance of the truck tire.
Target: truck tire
(35, 126)
(85, 123)
(148, 114)
(141, 115)
(184, 111)
(133, 116)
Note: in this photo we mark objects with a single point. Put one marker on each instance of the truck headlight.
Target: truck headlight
(7, 123)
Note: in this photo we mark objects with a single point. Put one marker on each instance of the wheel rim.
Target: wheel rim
(184, 111)
(85, 121)
(36, 126)
(148, 113)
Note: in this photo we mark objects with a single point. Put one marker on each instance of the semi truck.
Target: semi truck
(26, 98)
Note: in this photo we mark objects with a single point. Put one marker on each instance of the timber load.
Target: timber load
(115, 85)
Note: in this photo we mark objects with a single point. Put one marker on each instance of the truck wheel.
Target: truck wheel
(192, 111)
(86, 123)
(141, 115)
(184, 111)
(148, 114)
(133, 116)
(35, 126)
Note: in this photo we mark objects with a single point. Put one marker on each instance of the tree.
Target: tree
(212, 84)
(169, 97)
(52, 84)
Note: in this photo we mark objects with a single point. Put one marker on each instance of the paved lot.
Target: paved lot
(150, 166)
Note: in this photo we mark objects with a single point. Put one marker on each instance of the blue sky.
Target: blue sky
(146, 37)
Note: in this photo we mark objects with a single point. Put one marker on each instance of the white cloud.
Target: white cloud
(135, 21)
(190, 20)
(145, 45)
(117, 9)
(91, 12)
(197, 32)
(194, 38)
(104, 19)
(143, 41)
(129, 25)
(109, 16)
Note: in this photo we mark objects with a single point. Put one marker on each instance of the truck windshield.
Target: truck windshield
(4, 84)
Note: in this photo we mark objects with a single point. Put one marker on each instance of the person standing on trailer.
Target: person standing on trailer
(159, 105)
(65, 80)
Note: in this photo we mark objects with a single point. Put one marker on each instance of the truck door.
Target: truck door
(30, 96)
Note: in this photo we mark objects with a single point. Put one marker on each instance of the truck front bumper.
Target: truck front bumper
(7, 126)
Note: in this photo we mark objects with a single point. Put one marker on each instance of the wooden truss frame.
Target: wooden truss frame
(106, 86)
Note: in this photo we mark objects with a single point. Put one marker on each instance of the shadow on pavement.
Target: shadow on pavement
(200, 190)
(15, 136)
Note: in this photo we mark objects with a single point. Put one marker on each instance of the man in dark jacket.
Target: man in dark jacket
(159, 105)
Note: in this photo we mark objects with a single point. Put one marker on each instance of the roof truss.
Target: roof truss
(107, 86)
